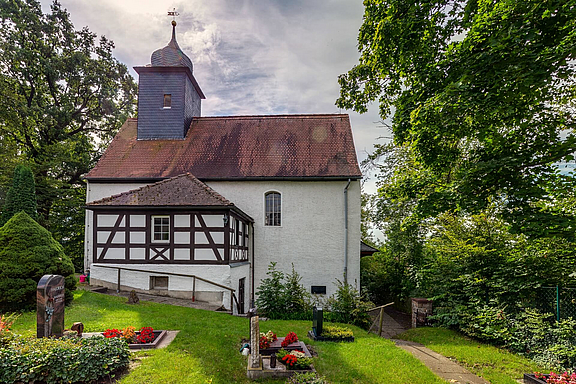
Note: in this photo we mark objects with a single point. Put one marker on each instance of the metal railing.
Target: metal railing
(194, 278)
(380, 316)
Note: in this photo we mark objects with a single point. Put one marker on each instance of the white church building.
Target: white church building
(198, 207)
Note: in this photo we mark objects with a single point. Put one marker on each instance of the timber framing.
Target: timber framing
(115, 242)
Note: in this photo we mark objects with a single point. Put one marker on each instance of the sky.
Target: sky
(249, 56)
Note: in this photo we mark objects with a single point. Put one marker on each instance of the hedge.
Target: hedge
(56, 361)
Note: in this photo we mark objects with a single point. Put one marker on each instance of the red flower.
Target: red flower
(289, 339)
(146, 335)
(110, 333)
(264, 343)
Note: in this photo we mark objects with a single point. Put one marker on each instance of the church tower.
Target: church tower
(168, 94)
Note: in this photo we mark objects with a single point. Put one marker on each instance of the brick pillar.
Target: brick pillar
(421, 309)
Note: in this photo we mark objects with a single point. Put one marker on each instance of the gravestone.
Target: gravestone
(254, 359)
(317, 321)
(50, 306)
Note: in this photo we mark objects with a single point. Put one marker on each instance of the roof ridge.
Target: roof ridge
(207, 188)
(286, 115)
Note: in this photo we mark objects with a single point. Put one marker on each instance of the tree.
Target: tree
(482, 96)
(64, 96)
(21, 196)
(27, 252)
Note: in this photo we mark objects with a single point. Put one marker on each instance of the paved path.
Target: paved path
(393, 324)
(440, 365)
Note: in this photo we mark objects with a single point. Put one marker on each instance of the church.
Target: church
(198, 207)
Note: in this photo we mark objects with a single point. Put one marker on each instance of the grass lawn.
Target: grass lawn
(206, 349)
(494, 364)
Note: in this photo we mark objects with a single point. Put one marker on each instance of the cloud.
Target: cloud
(250, 56)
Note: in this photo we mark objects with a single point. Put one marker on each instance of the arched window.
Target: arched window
(273, 208)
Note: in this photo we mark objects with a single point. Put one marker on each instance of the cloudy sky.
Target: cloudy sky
(250, 56)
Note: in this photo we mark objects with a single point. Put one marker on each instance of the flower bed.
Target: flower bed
(552, 378)
(294, 360)
(273, 344)
(333, 333)
(146, 338)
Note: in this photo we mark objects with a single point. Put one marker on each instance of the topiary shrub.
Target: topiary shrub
(27, 252)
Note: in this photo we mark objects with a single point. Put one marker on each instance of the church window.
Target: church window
(273, 209)
(167, 101)
(161, 229)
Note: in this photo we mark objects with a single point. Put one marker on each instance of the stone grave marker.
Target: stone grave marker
(50, 306)
(254, 359)
(317, 321)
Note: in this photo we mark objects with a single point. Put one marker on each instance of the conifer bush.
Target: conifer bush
(21, 196)
(27, 252)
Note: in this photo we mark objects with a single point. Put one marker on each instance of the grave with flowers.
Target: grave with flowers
(272, 356)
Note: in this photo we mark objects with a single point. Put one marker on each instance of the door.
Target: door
(241, 295)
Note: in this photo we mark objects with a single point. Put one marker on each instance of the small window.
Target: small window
(158, 282)
(318, 289)
(273, 209)
(167, 101)
(161, 229)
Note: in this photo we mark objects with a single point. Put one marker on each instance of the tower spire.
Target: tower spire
(173, 13)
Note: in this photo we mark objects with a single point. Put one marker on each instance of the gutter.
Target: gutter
(346, 232)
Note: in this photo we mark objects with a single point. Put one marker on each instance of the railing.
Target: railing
(194, 278)
(380, 316)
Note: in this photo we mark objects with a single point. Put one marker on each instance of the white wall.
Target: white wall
(96, 192)
(312, 231)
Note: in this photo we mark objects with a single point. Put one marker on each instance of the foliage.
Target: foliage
(348, 306)
(307, 378)
(481, 96)
(61, 360)
(281, 296)
(21, 196)
(64, 96)
(28, 252)
(336, 332)
(6, 321)
(527, 332)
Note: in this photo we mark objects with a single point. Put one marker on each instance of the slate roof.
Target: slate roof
(171, 55)
(367, 250)
(237, 148)
(182, 190)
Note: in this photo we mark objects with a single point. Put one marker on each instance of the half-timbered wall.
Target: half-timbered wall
(195, 237)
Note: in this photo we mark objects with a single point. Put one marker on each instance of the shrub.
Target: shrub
(307, 378)
(282, 296)
(61, 360)
(336, 332)
(21, 196)
(348, 306)
(27, 252)
(6, 321)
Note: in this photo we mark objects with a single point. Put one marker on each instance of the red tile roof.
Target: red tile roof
(183, 190)
(236, 148)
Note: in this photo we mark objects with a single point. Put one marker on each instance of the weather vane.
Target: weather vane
(173, 13)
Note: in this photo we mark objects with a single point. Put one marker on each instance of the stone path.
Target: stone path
(395, 323)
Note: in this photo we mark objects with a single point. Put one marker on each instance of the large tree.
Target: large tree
(63, 97)
(481, 95)
(21, 196)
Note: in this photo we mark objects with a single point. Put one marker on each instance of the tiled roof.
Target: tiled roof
(182, 190)
(236, 148)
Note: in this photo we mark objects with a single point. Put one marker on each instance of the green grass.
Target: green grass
(206, 349)
(496, 365)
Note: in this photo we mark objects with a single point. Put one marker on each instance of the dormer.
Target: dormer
(169, 96)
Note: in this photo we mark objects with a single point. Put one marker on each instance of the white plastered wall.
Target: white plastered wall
(312, 232)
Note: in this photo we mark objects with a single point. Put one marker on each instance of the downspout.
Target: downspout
(252, 266)
(346, 232)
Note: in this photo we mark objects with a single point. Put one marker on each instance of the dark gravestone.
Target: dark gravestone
(317, 320)
(50, 306)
